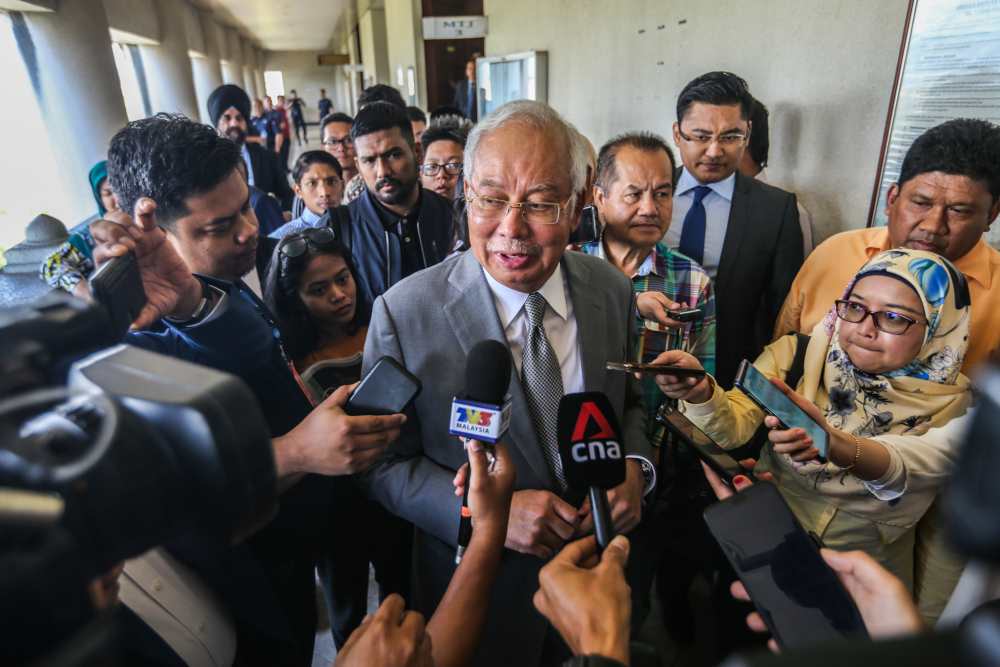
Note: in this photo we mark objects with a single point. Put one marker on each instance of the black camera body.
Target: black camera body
(106, 456)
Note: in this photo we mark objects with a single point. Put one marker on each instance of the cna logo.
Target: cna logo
(474, 417)
(598, 445)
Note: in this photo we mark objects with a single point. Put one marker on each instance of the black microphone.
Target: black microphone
(592, 454)
(482, 412)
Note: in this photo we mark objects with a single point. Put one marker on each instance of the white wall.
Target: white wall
(824, 68)
(300, 71)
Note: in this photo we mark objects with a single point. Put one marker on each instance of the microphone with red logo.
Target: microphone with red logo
(482, 412)
(592, 454)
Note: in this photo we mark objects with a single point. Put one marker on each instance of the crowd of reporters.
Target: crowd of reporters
(415, 240)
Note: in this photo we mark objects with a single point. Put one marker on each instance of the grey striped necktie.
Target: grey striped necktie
(542, 384)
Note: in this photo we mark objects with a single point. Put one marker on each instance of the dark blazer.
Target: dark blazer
(760, 257)
(378, 254)
(269, 176)
(429, 322)
(462, 100)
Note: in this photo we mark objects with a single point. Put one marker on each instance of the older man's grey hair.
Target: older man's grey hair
(543, 118)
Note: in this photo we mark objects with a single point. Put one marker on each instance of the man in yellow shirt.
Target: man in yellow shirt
(947, 196)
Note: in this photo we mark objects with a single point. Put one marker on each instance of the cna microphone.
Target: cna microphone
(481, 413)
(591, 452)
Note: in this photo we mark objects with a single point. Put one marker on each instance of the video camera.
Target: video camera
(106, 451)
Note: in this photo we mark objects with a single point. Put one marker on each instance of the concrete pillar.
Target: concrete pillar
(68, 57)
(258, 73)
(249, 83)
(206, 69)
(168, 65)
(232, 63)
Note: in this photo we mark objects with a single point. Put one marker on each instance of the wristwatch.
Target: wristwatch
(648, 472)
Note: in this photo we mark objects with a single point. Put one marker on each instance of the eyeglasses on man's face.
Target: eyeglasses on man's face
(433, 168)
(330, 142)
(727, 140)
(493, 209)
(888, 321)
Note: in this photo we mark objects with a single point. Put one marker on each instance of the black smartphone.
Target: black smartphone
(714, 456)
(797, 594)
(654, 369)
(685, 315)
(388, 388)
(589, 228)
(117, 287)
(759, 389)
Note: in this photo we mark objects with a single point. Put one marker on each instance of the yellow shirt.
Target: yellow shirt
(831, 266)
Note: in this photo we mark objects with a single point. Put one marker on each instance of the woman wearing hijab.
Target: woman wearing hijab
(886, 361)
(73, 262)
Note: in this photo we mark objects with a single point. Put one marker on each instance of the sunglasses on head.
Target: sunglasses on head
(296, 244)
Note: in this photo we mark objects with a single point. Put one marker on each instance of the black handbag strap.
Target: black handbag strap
(795, 371)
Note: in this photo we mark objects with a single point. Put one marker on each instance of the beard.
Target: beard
(236, 135)
(402, 193)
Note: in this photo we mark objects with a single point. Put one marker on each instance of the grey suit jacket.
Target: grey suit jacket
(429, 322)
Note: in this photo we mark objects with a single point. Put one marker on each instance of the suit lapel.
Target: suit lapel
(472, 315)
(736, 230)
(591, 322)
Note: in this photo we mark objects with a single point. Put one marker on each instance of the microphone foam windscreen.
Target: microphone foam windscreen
(487, 372)
(589, 441)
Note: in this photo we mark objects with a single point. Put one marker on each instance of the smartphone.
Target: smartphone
(714, 456)
(388, 388)
(117, 287)
(797, 594)
(752, 382)
(685, 315)
(589, 228)
(654, 369)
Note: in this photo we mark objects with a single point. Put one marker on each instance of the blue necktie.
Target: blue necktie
(693, 231)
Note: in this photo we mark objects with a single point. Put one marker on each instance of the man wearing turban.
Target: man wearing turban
(229, 109)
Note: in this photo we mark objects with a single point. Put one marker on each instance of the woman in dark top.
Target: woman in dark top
(311, 290)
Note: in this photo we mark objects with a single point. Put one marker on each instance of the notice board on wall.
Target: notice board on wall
(949, 67)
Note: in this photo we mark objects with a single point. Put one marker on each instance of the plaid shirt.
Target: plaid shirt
(681, 280)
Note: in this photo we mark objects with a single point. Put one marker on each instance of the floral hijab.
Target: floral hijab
(929, 390)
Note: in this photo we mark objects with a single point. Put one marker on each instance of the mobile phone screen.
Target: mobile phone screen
(716, 457)
(797, 594)
(753, 383)
(388, 388)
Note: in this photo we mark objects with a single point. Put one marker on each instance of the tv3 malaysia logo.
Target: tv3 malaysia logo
(598, 445)
(475, 417)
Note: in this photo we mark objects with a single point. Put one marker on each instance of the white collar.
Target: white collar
(510, 301)
(688, 182)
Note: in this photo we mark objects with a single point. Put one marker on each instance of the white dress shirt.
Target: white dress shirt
(717, 204)
(245, 152)
(559, 323)
(805, 218)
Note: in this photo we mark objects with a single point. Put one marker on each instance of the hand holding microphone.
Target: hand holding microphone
(487, 485)
(481, 415)
(592, 454)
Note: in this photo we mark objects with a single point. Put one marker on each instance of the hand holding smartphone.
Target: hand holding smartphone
(387, 389)
(117, 287)
(798, 596)
(769, 398)
(655, 369)
(714, 456)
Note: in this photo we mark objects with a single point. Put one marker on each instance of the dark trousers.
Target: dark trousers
(367, 534)
(300, 124)
(286, 146)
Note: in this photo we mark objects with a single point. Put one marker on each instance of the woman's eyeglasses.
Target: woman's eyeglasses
(885, 320)
(296, 244)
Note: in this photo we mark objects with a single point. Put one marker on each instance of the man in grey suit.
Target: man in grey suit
(562, 315)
